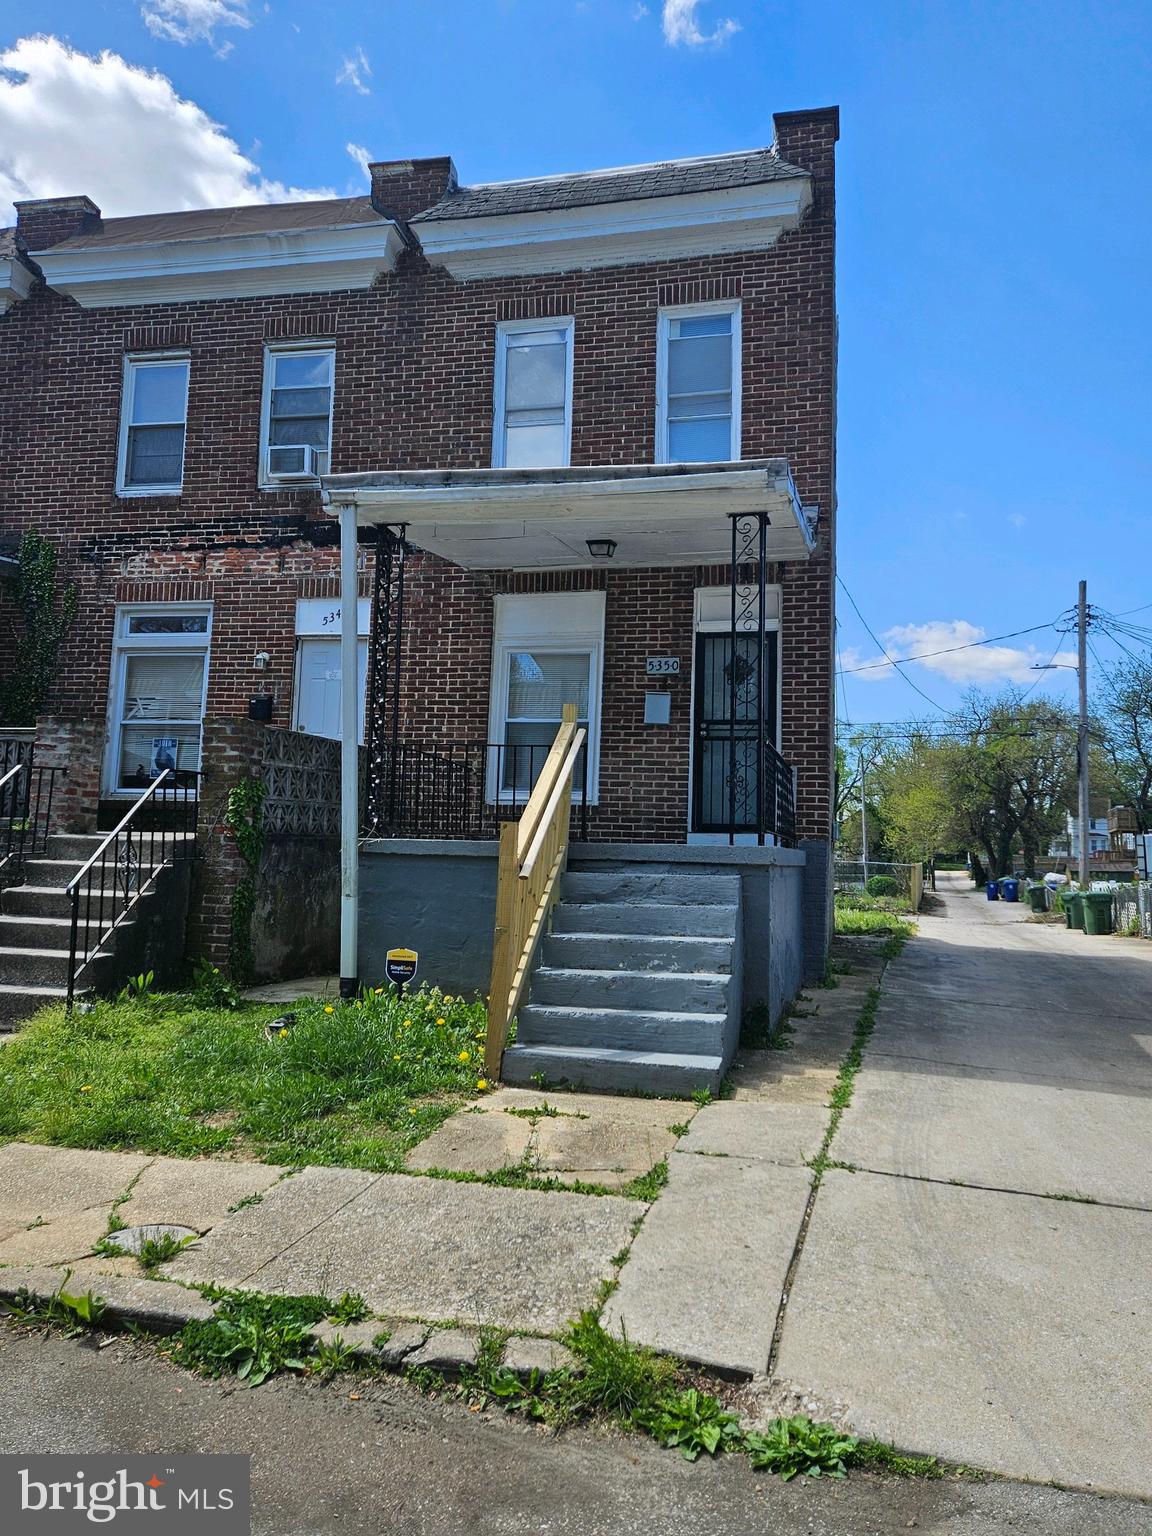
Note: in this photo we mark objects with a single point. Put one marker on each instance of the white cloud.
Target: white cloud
(639, 11)
(681, 25)
(977, 664)
(194, 21)
(355, 71)
(72, 122)
(362, 156)
(1017, 519)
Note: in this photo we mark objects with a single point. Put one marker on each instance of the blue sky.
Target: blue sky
(995, 232)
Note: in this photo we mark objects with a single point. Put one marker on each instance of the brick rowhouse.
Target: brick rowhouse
(414, 390)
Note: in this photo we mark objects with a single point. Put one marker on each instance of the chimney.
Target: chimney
(808, 139)
(46, 221)
(401, 188)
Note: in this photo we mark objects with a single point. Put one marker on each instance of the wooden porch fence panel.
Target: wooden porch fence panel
(533, 854)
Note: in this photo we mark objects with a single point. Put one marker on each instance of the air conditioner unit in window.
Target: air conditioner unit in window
(296, 461)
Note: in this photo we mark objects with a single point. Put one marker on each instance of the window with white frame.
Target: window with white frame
(153, 418)
(296, 433)
(156, 709)
(533, 395)
(698, 385)
(548, 652)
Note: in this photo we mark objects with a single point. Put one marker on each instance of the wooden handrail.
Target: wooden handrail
(533, 855)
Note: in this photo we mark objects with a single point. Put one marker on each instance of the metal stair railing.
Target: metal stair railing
(26, 797)
(126, 865)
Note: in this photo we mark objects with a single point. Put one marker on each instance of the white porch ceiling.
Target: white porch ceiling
(659, 515)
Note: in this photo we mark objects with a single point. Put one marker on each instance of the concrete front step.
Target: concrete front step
(670, 918)
(51, 901)
(684, 992)
(667, 1074)
(632, 1029)
(18, 1003)
(53, 872)
(648, 886)
(79, 846)
(19, 932)
(623, 950)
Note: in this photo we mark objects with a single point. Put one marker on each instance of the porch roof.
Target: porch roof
(523, 519)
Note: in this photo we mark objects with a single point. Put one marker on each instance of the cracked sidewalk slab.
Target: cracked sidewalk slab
(421, 1247)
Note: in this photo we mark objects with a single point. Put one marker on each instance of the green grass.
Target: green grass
(852, 920)
(355, 1084)
(860, 901)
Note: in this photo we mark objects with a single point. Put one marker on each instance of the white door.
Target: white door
(318, 685)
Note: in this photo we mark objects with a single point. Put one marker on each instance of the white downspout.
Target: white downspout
(349, 757)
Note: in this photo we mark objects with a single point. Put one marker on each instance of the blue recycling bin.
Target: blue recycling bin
(992, 890)
(1010, 889)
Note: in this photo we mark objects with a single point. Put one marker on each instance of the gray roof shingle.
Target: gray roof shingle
(216, 223)
(626, 184)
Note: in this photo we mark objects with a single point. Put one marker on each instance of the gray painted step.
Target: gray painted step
(671, 918)
(650, 886)
(616, 1070)
(18, 1003)
(628, 1029)
(40, 967)
(619, 949)
(684, 992)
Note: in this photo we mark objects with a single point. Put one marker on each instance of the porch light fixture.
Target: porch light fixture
(601, 549)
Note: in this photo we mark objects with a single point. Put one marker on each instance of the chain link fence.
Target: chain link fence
(1132, 909)
(854, 874)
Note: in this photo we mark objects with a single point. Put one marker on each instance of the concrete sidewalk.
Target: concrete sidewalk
(959, 1293)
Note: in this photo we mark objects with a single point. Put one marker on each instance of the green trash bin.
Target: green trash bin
(1036, 898)
(1097, 911)
(1074, 908)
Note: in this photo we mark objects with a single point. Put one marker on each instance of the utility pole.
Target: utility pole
(863, 818)
(1082, 734)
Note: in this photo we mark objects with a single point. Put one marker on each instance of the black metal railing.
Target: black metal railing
(27, 793)
(159, 830)
(16, 746)
(463, 790)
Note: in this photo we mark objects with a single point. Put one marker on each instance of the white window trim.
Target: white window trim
(133, 361)
(664, 319)
(289, 349)
(504, 330)
(591, 641)
(125, 645)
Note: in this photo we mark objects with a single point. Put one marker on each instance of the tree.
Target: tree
(1124, 706)
(45, 609)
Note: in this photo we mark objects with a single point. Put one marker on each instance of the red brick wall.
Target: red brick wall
(414, 390)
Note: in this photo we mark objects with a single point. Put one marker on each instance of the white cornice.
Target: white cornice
(16, 282)
(616, 234)
(234, 267)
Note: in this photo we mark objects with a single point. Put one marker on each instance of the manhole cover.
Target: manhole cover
(132, 1239)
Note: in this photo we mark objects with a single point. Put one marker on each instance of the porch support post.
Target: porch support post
(349, 758)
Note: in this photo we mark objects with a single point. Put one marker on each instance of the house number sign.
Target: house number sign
(662, 666)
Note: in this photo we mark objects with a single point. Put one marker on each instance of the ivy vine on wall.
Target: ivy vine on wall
(244, 818)
(45, 609)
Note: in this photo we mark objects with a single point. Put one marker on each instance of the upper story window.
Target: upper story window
(533, 395)
(698, 385)
(296, 431)
(153, 415)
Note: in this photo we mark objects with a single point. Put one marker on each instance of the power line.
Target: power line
(873, 666)
(883, 652)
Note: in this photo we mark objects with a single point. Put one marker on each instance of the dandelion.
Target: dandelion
(407, 1024)
(464, 1056)
(376, 991)
(396, 1058)
(411, 1109)
(328, 1008)
(482, 1084)
(441, 1021)
(447, 997)
(282, 1033)
(87, 1088)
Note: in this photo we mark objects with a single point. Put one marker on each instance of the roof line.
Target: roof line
(643, 165)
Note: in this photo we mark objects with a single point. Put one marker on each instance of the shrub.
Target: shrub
(882, 885)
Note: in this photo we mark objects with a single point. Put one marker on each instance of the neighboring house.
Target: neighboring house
(1068, 844)
(559, 407)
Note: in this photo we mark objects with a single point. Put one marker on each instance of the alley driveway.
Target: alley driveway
(979, 1286)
